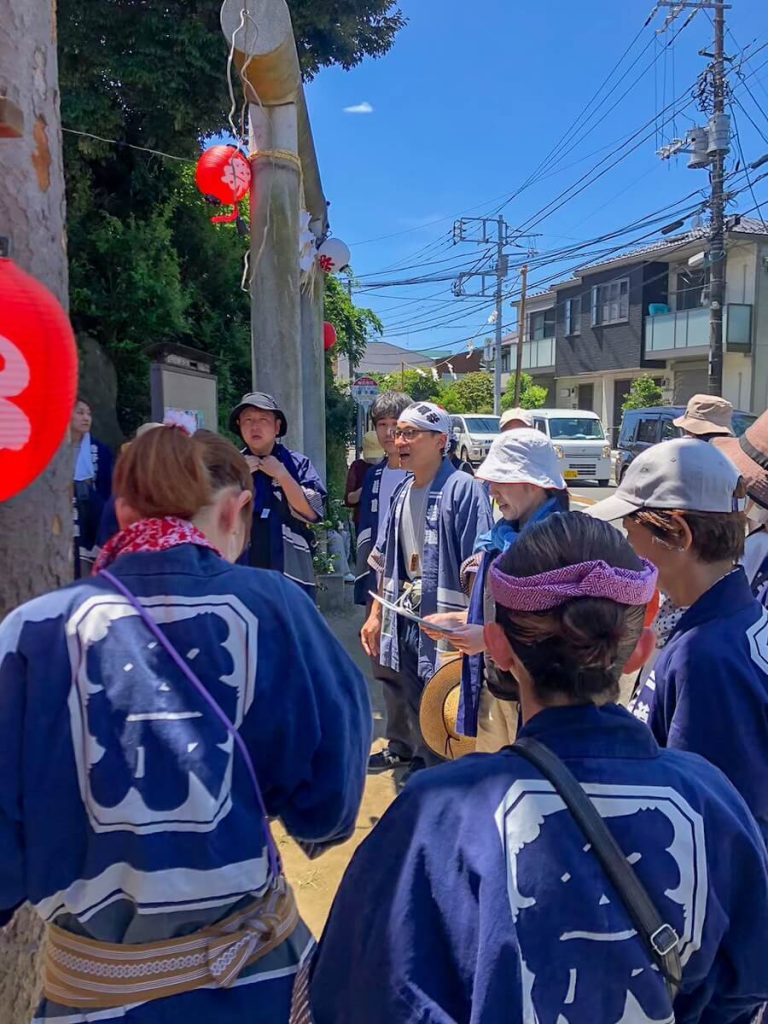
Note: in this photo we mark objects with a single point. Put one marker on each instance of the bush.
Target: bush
(532, 396)
(644, 392)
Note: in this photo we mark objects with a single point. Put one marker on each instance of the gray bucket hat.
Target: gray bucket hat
(257, 400)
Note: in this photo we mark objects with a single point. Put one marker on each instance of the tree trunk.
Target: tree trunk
(36, 526)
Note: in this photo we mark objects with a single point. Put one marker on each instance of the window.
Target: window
(610, 302)
(539, 424)
(456, 424)
(648, 431)
(505, 361)
(741, 421)
(628, 429)
(669, 430)
(482, 424)
(541, 325)
(576, 428)
(573, 316)
(691, 288)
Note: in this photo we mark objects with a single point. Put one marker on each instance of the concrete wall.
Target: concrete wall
(737, 380)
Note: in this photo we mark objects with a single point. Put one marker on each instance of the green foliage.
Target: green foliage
(419, 384)
(532, 396)
(473, 393)
(344, 31)
(146, 265)
(644, 392)
(355, 325)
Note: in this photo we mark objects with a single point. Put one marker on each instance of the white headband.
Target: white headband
(427, 416)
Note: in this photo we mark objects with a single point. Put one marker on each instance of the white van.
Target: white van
(579, 441)
(474, 433)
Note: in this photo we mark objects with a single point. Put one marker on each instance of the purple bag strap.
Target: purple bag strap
(273, 856)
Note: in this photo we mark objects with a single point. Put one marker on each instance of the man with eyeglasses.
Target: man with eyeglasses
(433, 520)
(288, 494)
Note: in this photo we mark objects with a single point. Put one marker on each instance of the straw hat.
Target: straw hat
(372, 450)
(439, 711)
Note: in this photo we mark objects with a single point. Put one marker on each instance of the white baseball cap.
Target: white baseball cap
(684, 473)
(516, 414)
(523, 456)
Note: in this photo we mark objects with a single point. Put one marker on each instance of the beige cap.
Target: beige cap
(707, 414)
(523, 415)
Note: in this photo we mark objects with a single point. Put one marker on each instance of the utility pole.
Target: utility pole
(717, 234)
(488, 231)
(501, 273)
(708, 148)
(521, 332)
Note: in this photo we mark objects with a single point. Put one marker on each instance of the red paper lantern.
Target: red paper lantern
(224, 173)
(38, 378)
(329, 336)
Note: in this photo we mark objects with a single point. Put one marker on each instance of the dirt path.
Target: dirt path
(315, 882)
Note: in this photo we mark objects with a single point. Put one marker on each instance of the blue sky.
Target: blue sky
(469, 102)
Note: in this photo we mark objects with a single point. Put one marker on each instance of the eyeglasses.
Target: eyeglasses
(409, 433)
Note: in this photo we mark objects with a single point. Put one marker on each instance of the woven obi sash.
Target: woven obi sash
(84, 973)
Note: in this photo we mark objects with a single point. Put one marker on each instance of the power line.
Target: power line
(129, 145)
(621, 273)
(743, 161)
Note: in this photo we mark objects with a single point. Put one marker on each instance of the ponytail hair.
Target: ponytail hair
(165, 472)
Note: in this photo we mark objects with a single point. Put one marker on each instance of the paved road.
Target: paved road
(590, 493)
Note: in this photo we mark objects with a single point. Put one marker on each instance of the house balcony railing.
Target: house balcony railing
(686, 332)
(537, 355)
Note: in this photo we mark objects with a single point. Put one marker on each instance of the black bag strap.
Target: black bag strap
(660, 938)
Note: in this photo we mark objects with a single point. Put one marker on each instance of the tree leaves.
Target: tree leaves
(146, 265)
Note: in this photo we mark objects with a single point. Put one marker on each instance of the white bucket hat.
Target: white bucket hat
(522, 456)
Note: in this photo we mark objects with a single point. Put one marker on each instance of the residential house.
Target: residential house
(383, 357)
(538, 349)
(458, 365)
(647, 312)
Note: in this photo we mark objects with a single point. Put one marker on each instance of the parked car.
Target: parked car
(474, 433)
(640, 428)
(580, 442)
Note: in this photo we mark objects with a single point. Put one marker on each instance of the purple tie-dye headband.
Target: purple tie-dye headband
(585, 579)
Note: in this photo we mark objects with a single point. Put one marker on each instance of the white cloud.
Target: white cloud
(359, 108)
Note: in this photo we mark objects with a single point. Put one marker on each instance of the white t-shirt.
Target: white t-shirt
(390, 478)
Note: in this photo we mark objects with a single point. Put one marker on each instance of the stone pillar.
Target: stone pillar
(274, 262)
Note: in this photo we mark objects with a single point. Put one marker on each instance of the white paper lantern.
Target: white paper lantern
(333, 255)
